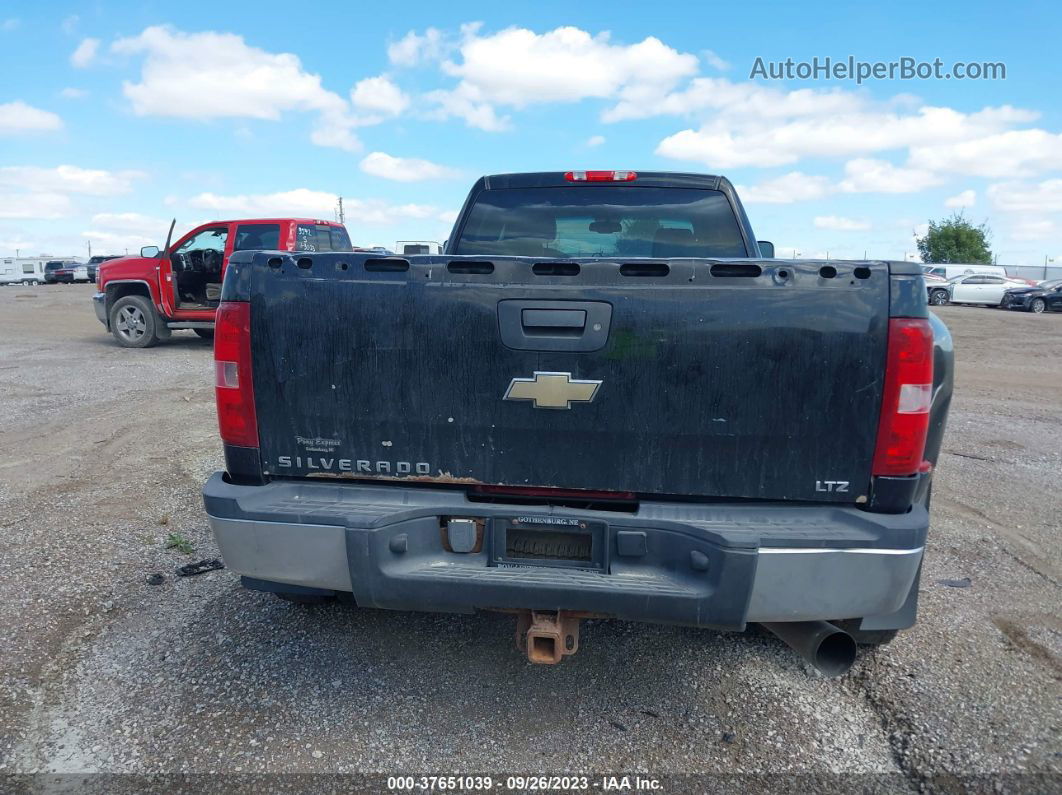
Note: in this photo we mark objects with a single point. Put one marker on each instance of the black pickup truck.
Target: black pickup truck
(601, 400)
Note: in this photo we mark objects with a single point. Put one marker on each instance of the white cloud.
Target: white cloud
(228, 78)
(131, 222)
(755, 140)
(865, 175)
(404, 169)
(69, 24)
(85, 53)
(69, 179)
(1023, 197)
(224, 78)
(18, 117)
(313, 203)
(714, 60)
(379, 95)
(114, 232)
(965, 199)
(595, 140)
(862, 175)
(792, 187)
(517, 67)
(743, 99)
(740, 102)
(1034, 228)
(413, 49)
(34, 205)
(1015, 153)
(841, 224)
(300, 201)
(333, 131)
(462, 103)
(73, 93)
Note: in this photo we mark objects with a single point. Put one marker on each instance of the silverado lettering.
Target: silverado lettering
(353, 465)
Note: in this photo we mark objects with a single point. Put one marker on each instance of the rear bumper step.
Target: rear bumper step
(713, 565)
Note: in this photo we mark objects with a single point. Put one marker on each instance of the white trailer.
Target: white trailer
(22, 270)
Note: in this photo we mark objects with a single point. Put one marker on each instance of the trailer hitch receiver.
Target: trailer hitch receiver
(546, 636)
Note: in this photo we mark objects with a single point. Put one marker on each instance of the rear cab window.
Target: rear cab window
(598, 221)
(321, 237)
(257, 237)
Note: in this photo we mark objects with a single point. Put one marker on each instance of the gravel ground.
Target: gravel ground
(104, 453)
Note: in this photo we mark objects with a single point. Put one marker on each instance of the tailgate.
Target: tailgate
(648, 377)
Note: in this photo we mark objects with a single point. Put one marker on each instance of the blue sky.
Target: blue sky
(115, 117)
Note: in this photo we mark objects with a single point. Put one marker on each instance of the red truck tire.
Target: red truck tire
(134, 322)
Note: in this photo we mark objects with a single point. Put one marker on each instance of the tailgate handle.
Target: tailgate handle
(576, 326)
(554, 319)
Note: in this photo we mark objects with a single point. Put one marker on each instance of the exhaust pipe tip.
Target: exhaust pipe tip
(829, 649)
(836, 654)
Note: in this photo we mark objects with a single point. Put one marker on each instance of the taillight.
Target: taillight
(601, 176)
(233, 387)
(907, 397)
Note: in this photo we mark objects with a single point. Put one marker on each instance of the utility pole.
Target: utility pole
(340, 215)
(89, 244)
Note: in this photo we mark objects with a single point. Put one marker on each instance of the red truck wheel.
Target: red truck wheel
(134, 322)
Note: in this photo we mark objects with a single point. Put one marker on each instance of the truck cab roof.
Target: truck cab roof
(560, 179)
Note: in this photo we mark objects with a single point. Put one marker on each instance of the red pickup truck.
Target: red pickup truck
(141, 299)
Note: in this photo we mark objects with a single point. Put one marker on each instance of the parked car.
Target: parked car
(980, 288)
(1045, 296)
(936, 288)
(59, 271)
(94, 263)
(71, 272)
(458, 435)
(141, 299)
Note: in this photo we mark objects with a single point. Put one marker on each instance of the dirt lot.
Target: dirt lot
(104, 451)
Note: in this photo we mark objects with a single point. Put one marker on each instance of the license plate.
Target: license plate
(549, 541)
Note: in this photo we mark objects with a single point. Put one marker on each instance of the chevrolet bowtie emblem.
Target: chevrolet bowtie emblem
(552, 390)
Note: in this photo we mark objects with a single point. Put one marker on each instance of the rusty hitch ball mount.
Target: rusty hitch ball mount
(546, 636)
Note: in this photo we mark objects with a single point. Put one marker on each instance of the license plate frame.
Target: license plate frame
(549, 541)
